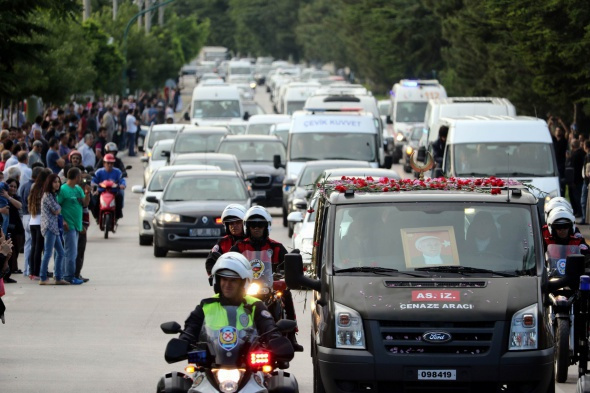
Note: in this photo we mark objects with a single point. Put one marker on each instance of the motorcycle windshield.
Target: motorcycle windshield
(225, 344)
(556, 258)
(261, 262)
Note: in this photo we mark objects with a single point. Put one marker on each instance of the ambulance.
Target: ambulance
(409, 99)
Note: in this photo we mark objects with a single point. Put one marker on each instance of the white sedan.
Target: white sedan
(155, 188)
(155, 160)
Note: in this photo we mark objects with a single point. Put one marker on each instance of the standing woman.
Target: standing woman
(15, 228)
(50, 210)
(37, 241)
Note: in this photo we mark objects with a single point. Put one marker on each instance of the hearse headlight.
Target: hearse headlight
(349, 328)
(524, 329)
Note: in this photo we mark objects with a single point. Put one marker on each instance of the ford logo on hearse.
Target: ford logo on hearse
(437, 337)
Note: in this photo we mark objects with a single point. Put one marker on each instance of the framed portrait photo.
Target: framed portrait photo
(430, 246)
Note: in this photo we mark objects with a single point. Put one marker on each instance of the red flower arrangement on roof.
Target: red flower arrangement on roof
(491, 185)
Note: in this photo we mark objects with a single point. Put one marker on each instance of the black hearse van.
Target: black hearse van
(427, 290)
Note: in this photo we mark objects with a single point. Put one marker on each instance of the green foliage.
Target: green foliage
(214, 12)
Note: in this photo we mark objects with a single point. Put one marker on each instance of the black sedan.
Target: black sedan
(188, 216)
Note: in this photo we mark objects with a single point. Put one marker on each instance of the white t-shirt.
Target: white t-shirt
(130, 121)
(36, 220)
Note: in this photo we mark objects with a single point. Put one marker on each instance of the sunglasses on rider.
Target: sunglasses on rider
(257, 224)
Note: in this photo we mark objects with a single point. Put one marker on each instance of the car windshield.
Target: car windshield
(157, 152)
(188, 188)
(333, 145)
(160, 136)
(416, 134)
(197, 143)
(259, 129)
(384, 108)
(293, 106)
(409, 236)
(237, 129)
(216, 109)
(504, 159)
(283, 134)
(410, 112)
(159, 180)
(253, 150)
(310, 174)
(224, 165)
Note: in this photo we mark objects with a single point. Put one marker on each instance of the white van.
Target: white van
(239, 68)
(333, 136)
(463, 106)
(519, 148)
(292, 97)
(213, 104)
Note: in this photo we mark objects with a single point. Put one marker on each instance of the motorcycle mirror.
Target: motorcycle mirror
(176, 350)
(286, 325)
(170, 327)
(128, 167)
(281, 348)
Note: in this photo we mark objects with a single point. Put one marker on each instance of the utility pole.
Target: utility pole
(140, 6)
(148, 16)
(115, 7)
(161, 16)
(87, 10)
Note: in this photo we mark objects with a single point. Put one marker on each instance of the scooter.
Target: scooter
(230, 363)
(107, 214)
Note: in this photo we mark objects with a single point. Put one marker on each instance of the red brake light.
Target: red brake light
(279, 285)
(351, 109)
(259, 358)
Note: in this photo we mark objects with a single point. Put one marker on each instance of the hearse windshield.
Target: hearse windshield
(435, 238)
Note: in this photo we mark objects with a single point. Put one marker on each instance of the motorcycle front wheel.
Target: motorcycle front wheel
(107, 225)
(562, 349)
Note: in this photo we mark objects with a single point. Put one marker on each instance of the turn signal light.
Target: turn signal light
(259, 358)
(190, 369)
(266, 369)
(218, 220)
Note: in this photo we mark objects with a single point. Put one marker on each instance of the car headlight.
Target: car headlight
(148, 207)
(400, 137)
(168, 217)
(523, 329)
(409, 150)
(228, 379)
(253, 85)
(349, 328)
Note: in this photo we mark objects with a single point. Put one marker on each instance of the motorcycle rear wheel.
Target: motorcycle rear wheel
(562, 349)
(107, 225)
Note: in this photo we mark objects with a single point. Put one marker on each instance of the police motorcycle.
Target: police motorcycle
(266, 286)
(566, 301)
(229, 361)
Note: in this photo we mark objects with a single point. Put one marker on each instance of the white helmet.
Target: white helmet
(232, 264)
(261, 212)
(557, 202)
(561, 216)
(233, 212)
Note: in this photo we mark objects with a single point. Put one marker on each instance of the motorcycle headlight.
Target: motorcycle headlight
(550, 196)
(409, 150)
(168, 218)
(253, 289)
(523, 329)
(253, 85)
(400, 137)
(349, 328)
(228, 379)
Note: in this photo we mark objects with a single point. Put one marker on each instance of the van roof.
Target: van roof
(470, 100)
(217, 90)
(475, 129)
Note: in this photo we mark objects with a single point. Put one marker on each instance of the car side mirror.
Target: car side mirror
(277, 161)
(144, 159)
(388, 162)
(246, 116)
(294, 274)
(137, 189)
(388, 119)
(152, 199)
(186, 116)
(421, 155)
(127, 167)
(295, 217)
(165, 153)
(289, 182)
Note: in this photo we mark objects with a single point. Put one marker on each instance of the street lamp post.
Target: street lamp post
(126, 33)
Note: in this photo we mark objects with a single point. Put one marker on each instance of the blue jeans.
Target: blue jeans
(52, 241)
(71, 240)
(584, 201)
(5, 222)
(131, 143)
(26, 220)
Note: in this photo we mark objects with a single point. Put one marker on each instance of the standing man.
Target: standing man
(438, 147)
(85, 180)
(586, 173)
(561, 150)
(54, 162)
(131, 123)
(108, 122)
(35, 154)
(577, 163)
(25, 171)
(100, 144)
(87, 151)
(72, 199)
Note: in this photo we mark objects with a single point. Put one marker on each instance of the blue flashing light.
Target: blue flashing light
(410, 83)
(584, 283)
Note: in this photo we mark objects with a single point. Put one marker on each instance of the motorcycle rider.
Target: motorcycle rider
(233, 219)
(109, 172)
(561, 230)
(230, 306)
(257, 223)
(111, 148)
(554, 203)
